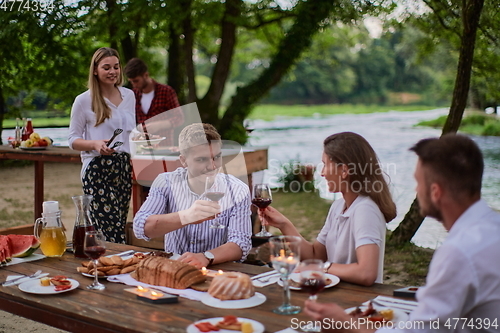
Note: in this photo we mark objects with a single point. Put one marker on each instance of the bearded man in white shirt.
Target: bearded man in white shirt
(463, 283)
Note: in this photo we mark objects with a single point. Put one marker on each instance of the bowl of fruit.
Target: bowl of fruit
(35, 142)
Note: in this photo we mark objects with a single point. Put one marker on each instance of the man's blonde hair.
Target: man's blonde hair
(197, 134)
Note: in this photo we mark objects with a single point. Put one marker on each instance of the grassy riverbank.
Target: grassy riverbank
(475, 123)
(264, 111)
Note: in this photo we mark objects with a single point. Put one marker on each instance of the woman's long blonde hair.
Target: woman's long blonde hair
(365, 175)
(99, 106)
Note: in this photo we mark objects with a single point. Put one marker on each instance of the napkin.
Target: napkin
(26, 278)
(259, 284)
(390, 302)
(128, 280)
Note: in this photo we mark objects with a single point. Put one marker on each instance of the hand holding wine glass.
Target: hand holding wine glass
(262, 197)
(94, 247)
(215, 189)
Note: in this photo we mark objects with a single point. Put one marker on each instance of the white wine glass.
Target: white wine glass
(94, 247)
(285, 256)
(215, 190)
(262, 197)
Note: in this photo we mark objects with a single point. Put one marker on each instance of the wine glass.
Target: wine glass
(285, 256)
(312, 277)
(94, 247)
(261, 197)
(215, 189)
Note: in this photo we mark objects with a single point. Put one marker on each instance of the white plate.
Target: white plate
(32, 257)
(296, 278)
(98, 276)
(34, 287)
(255, 300)
(257, 327)
(399, 315)
(152, 141)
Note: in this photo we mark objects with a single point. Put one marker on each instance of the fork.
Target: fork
(115, 133)
(117, 144)
(13, 281)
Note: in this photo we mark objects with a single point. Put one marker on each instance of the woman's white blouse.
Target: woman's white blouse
(82, 124)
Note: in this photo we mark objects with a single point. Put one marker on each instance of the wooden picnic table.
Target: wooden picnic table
(114, 310)
(145, 168)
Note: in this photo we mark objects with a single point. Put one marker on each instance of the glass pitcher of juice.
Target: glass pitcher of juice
(52, 236)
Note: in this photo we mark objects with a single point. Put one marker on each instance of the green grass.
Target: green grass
(475, 124)
(406, 265)
(270, 111)
(264, 112)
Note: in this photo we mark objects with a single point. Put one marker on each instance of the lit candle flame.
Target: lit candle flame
(154, 293)
(141, 289)
(204, 270)
(282, 252)
(220, 272)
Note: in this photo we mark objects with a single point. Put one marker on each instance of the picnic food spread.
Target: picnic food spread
(227, 323)
(231, 286)
(113, 265)
(17, 246)
(164, 272)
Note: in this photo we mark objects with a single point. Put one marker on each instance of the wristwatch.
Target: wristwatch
(326, 266)
(210, 256)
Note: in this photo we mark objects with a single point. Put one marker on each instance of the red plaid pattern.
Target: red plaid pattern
(165, 99)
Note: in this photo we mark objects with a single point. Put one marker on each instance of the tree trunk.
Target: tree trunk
(3, 110)
(175, 68)
(209, 104)
(309, 18)
(471, 12)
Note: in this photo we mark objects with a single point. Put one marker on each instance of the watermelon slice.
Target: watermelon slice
(5, 250)
(23, 245)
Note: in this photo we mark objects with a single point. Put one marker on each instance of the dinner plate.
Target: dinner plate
(98, 276)
(34, 287)
(152, 141)
(399, 315)
(257, 327)
(33, 148)
(255, 300)
(295, 277)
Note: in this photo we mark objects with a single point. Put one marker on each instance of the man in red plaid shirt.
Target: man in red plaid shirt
(153, 99)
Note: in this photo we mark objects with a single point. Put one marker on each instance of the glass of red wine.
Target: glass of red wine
(94, 247)
(312, 277)
(215, 189)
(261, 197)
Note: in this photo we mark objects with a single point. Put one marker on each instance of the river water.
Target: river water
(391, 134)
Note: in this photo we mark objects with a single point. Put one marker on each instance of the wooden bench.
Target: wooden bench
(154, 243)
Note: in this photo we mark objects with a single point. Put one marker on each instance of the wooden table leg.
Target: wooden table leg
(38, 188)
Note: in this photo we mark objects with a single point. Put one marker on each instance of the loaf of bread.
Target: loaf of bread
(159, 271)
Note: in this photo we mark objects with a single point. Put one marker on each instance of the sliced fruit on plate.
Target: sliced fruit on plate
(23, 245)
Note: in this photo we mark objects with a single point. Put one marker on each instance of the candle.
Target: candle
(140, 289)
(204, 270)
(154, 294)
(220, 272)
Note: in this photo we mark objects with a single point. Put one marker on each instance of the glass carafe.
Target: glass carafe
(52, 236)
(83, 223)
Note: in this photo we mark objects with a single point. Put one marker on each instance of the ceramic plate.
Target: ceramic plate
(255, 300)
(33, 148)
(34, 287)
(152, 141)
(399, 315)
(257, 327)
(99, 276)
(295, 277)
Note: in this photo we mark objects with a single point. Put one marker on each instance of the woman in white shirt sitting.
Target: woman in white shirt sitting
(352, 240)
(95, 115)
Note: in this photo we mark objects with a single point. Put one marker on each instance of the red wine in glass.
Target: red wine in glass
(262, 202)
(312, 285)
(95, 252)
(79, 238)
(214, 196)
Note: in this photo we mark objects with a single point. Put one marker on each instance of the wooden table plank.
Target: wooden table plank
(114, 310)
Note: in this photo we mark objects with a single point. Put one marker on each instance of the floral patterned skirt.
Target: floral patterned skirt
(108, 178)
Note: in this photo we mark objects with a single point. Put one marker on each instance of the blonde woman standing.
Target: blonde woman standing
(353, 237)
(95, 115)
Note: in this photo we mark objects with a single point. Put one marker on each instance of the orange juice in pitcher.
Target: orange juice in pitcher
(52, 236)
